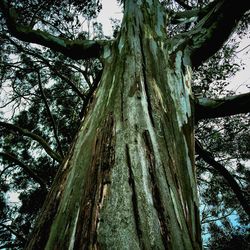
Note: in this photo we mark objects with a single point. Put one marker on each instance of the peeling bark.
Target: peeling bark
(129, 181)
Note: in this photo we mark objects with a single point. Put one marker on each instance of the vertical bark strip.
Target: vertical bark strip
(97, 185)
(155, 189)
(134, 198)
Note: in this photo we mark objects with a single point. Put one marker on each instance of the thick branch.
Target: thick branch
(230, 105)
(25, 168)
(208, 158)
(75, 49)
(33, 136)
(209, 35)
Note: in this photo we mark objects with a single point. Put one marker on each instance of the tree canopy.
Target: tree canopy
(49, 70)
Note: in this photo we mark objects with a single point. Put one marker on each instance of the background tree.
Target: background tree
(60, 87)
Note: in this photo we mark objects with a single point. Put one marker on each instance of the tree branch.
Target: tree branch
(83, 72)
(189, 15)
(19, 236)
(90, 93)
(10, 246)
(210, 33)
(50, 115)
(204, 221)
(67, 80)
(230, 105)
(26, 169)
(75, 49)
(51, 67)
(183, 4)
(208, 158)
(33, 136)
(184, 16)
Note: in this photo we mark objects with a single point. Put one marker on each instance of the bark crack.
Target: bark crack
(122, 95)
(145, 82)
(96, 187)
(134, 198)
(155, 189)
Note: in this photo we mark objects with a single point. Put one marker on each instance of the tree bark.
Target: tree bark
(129, 181)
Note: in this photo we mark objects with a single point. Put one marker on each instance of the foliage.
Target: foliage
(221, 136)
(229, 239)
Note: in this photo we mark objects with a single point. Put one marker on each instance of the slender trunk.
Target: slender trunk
(129, 181)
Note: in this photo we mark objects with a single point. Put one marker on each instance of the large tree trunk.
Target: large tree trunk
(129, 181)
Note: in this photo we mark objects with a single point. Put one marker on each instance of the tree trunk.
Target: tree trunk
(129, 180)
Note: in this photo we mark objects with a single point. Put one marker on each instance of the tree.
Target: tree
(129, 178)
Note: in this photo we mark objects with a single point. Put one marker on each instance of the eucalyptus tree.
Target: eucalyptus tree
(128, 180)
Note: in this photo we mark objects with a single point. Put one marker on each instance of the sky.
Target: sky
(241, 81)
(110, 9)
